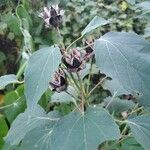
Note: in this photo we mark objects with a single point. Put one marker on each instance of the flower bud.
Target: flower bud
(73, 61)
(59, 82)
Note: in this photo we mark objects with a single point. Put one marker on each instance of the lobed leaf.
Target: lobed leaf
(125, 58)
(74, 131)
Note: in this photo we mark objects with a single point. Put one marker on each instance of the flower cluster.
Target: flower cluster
(52, 16)
(74, 61)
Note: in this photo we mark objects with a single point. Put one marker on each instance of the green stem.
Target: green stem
(21, 70)
(87, 46)
(121, 121)
(74, 80)
(74, 42)
(89, 77)
(135, 110)
(124, 130)
(61, 41)
(96, 86)
(81, 85)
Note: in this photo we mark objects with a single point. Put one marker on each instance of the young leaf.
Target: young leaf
(24, 123)
(125, 58)
(39, 71)
(7, 79)
(140, 127)
(74, 131)
(95, 23)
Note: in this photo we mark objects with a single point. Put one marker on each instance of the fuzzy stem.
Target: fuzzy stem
(74, 42)
(89, 77)
(96, 86)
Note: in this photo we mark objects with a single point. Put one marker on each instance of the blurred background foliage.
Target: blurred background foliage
(22, 32)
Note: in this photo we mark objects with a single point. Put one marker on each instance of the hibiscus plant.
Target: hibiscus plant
(99, 92)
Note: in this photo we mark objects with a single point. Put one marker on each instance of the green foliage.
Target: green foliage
(124, 57)
(16, 101)
(3, 131)
(99, 91)
(95, 22)
(141, 129)
(7, 79)
(25, 122)
(81, 132)
(40, 68)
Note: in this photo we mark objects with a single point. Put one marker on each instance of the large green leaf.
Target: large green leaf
(7, 79)
(39, 71)
(140, 127)
(125, 58)
(24, 123)
(74, 131)
(95, 23)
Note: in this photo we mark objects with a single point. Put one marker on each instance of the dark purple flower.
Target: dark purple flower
(59, 82)
(52, 16)
(73, 61)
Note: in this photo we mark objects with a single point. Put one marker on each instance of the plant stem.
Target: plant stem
(89, 77)
(61, 42)
(74, 42)
(135, 110)
(81, 85)
(74, 80)
(121, 121)
(87, 46)
(96, 86)
(124, 130)
(123, 138)
(21, 70)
